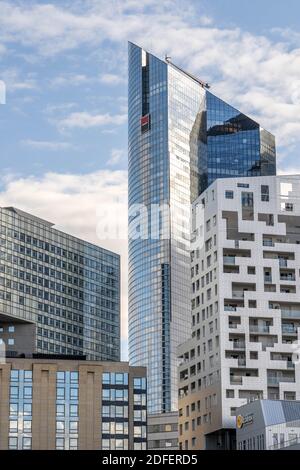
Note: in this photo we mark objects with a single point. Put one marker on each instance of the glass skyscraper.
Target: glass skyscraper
(58, 294)
(181, 138)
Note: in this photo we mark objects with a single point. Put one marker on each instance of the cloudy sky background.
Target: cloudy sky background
(63, 130)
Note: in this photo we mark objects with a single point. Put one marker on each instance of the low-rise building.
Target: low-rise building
(70, 404)
(268, 425)
(163, 431)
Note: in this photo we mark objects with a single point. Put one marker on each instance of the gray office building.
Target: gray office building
(181, 138)
(58, 294)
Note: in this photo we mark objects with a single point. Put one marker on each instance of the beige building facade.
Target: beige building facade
(72, 404)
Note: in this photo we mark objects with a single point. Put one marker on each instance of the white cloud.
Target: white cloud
(205, 20)
(69, 80)
(111, 79)
(85, 120)
(117, 156)
(289, 171)
(2, 49)
(15, 82)
(73, 79)
(47, 145)
(254, 72)
(81, 205)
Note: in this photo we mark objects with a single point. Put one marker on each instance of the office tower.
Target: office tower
(181, 137)
(59, 404)
(245, 262)
(58, 294)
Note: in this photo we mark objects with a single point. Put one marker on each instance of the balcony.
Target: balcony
(229, 260)
(238, 294)
(229, 308)
(287, 277)
(290, 313)
(282, 262)
(236, 380)
(268, 243)
(277, 380)
(238, 344)
(259, 329)
(290, 365)
(289, 329)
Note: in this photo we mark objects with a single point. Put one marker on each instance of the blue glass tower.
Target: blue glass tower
(181, 138)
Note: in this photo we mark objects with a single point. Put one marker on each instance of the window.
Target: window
(74, 393)
(139, 383)
(27, 426)
(265, 193)
(60, 443)
(106, 378)
(13, 443)
(14, 375)
(73, 427)
(60, 393)
(60, 410)
(27, 392)
(13, 426)
(11, 329)
(13, 409)
(247, 199)
(289, 207)
(229, 194)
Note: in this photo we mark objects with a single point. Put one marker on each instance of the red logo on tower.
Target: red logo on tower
(145, 123)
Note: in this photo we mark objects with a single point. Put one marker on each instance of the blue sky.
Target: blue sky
(63, 129)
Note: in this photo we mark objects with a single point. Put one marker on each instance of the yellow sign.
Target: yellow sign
(239, 421)
(243, 420)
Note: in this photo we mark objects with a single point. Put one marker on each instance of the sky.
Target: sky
(63, 127)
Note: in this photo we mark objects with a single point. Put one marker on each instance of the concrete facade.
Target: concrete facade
(245, 306)
(163, 431)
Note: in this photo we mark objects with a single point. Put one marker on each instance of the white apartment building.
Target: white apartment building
(245, 265)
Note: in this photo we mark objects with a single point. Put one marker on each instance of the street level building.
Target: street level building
(63, 404)
(163, 431)
(269, 425)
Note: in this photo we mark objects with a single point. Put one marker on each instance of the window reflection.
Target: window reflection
(67, 402)
(20, 410)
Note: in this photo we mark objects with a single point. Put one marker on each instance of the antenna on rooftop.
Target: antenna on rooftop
(203, 84)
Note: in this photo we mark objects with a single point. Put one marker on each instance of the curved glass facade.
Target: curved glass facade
(180, 138)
